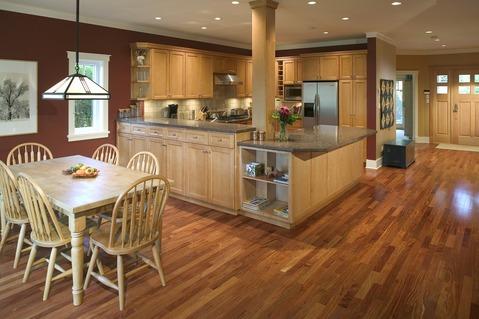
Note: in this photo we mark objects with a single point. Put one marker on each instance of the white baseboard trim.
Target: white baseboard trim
(374, 164)
(422, 139)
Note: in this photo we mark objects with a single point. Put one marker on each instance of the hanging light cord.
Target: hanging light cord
(77, 67)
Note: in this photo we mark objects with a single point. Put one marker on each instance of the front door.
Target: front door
(465, 107)
(441, 110)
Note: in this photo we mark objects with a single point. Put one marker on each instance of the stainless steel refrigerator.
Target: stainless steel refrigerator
(320, 103)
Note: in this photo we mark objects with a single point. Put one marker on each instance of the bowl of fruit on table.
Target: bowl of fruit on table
(81, 170)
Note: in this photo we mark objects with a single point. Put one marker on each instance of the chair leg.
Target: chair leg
(91, 266)
(31, 258)
(21, 238)
(121, 281)
(98, 223)
(5, 235)
(51, 267)
(156, 255)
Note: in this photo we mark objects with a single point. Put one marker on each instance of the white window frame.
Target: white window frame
(100, 119)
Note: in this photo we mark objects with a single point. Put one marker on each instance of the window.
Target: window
(442, 78)
(476, 90)
(464, 78)
(441, 89)
(476, 78)
(399, 104)
(88, 119)
(464, 89)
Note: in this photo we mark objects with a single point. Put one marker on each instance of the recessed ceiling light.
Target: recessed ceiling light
(235, 2)
(326, 32)
(312, 2)
(218, 18)
(428, 32)
(396, 3)
(158, 18)
(345, 18)
(443, 45)
(204, 28)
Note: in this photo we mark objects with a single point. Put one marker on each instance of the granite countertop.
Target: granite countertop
(189, 124)
(323, 139)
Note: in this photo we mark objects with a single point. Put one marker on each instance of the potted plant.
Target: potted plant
(284, 116)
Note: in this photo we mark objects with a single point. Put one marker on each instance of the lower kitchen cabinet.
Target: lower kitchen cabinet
(157, 146)
(197, 165)
(123, 144)
(175, 168)
(222, 176)
(138, 144)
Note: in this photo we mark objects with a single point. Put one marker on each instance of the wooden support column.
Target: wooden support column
(264, 48)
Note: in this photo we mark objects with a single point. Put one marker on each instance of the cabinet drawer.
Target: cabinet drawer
(156, 131)
(138, 129)
(175, 134)
(123, 127)
(197, 137)
(222, 140)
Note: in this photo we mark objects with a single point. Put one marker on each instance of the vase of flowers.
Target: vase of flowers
(284, 116)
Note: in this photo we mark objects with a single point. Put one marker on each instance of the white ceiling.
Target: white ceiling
(298, 24)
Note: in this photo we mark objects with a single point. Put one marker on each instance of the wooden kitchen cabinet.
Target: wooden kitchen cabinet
(157, 146)
(360, 103)
(289, 71)
(346, 103)
(175, 168)
(159, 74)
(224, 65)
(177, 75)
(123, 144)
(329, 67)
(241, 73)
(222, 177)
(249, 78)
(197, 165)
(346, 67)
(199, 76)
(360, 66)
(310, 68)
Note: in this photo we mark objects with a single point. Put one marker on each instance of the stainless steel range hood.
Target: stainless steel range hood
(227, 79)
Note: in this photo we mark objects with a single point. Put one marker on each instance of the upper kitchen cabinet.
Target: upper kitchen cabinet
(249, 78)
(241, 73)
(199, 76)
(159, 77)
(292, 71)
(346, 67)
(310, 68)
(360, 66)
(177, 75)
(329, 67)
(225, 65)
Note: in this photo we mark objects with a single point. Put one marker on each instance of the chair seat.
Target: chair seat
(18, 221)
(55, 240)
(101, 237)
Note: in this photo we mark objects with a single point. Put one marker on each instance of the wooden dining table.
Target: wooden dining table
(79, 198)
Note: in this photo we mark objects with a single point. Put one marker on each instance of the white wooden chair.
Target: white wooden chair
(107, 153)
(140, 211)
(14, 211)
(27, 153)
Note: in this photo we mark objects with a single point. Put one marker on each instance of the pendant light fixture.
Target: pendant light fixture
(76, 86)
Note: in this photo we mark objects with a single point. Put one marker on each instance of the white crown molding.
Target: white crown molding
(380, 36)
(329, 43)
(437, 51)
(115, 24)
(374, 164)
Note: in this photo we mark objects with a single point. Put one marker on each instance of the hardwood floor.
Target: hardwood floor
(402, 244)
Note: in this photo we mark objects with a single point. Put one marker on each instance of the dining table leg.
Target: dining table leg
(77, 227)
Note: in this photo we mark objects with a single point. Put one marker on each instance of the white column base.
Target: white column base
(374, 164)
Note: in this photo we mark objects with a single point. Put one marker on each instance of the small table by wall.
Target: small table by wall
(399, 153)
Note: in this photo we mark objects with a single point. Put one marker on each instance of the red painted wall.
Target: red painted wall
(46, 40)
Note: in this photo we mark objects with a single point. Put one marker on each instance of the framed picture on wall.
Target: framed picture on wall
(387, 104)
(18, 97)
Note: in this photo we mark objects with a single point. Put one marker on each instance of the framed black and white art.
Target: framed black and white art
(18, 97)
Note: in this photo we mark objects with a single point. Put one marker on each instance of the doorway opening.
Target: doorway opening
(405, 106)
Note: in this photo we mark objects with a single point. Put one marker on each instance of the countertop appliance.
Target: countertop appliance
(293, 92)
(173, 111)
(320, 103)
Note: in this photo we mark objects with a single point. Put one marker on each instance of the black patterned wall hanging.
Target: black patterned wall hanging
(387, 103)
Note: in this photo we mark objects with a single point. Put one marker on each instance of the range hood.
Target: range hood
(227, 79)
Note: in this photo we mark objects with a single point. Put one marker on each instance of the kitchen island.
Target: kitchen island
(321, 165)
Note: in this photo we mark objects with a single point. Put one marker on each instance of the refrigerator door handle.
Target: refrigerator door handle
(317, 108)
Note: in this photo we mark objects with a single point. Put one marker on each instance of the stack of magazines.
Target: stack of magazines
(281, 211)
(256, 203)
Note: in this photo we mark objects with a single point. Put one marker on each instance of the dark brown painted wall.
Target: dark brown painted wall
(46, 40)
(371, 97)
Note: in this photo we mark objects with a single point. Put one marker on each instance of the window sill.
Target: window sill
(87, 136)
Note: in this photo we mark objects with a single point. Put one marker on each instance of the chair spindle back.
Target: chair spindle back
(27, 153)
(9, 192)
(107, 153)
(145, 162)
